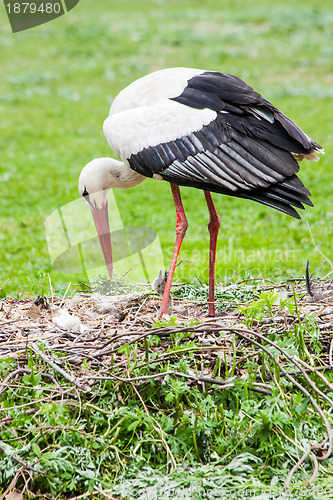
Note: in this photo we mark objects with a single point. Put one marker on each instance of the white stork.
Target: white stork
(203, 129)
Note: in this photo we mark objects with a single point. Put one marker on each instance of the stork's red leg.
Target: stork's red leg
(181, 227)
(213, 228)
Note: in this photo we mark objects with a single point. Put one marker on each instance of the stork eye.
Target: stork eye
(86, 196)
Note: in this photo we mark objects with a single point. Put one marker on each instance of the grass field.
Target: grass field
(137, 432)
(57, 83)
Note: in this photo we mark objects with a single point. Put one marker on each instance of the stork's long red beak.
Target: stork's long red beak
(101, 219)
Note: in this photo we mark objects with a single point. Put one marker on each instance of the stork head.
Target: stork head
(95, 182)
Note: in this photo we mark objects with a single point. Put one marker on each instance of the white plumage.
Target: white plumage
(149, 89)
(143, 115)
(121, 129)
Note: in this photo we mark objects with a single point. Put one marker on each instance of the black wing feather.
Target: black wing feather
(244, 152)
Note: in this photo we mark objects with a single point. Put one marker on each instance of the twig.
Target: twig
(226, 385)
(5, 449)
(84, 495)
(67, 289)
(129, 380)
(320, 375)
(299, 386)
(51, 287)
(234, 276)
(297, 362)
(138, 394)
(12, 321)
(295, 467)
(315, 469)
(286, 374)
(101, 492)
(8, 408)
(3, 385)
(57, 368)
(330, 361)
(313, 241)
(5, 283)
(6, 494)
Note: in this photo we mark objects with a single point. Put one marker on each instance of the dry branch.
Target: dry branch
(57, 368)
(99, 342)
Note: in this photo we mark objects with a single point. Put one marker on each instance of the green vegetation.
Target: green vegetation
(57, 83)
(195, 410)
(149, 427)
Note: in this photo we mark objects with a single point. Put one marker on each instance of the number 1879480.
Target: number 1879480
(32, 8)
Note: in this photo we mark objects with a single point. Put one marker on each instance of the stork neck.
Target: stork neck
(120, 175)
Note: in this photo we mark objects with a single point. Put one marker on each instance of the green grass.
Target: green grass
(58, 80)
(57, 83)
